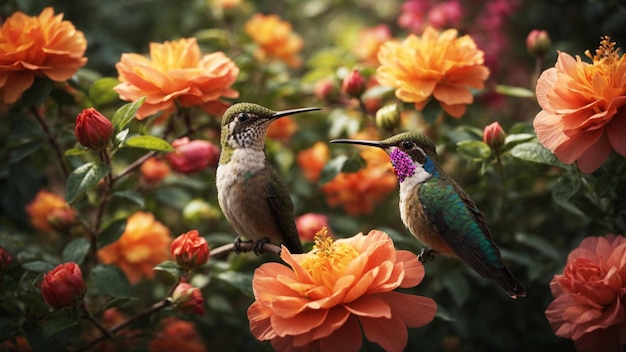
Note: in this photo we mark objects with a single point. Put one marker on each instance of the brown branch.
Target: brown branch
(51, 138)
(137, 163)
(244, 247)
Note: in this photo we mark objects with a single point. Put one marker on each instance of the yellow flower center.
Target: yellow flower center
(328, 260)
(607, 54)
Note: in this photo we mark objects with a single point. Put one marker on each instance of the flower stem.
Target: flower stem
(503, 194)
(87, 316)
(51, 139)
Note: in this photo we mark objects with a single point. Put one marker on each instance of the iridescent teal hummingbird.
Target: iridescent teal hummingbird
(439, 213)
(251, 193)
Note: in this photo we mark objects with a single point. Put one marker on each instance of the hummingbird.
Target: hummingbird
(250, 192)
(439, 213)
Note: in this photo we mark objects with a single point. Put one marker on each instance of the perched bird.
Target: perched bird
(439, 213)
(252, 195)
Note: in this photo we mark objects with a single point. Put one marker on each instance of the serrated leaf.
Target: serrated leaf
(540, 245)
(149, 142)
(38, 266)
(512, 91)
(536, 153)
(170, 267)
(241, 281)
(59, 320)
(565, 187)
(111, 280)
(112, 233)
(126, 113)
(76, 250)
(473, 150)
(101, 91)
(83, 178)
(131, 195)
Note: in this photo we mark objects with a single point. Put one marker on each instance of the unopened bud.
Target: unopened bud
(63, 286)
(538, 42)
(354, 84)
(388, 117)
(494, 135)
(188, 298)
(92, 129)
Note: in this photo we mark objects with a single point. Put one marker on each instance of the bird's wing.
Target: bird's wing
(461, 225)
(281, 205)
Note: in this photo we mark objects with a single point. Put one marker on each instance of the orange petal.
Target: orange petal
(595, 155)
(369, 306)
(616, 130)
(348, 338)
(415, 311)
(299, 324)
(259, 317)
(390, 334)
(413, 269)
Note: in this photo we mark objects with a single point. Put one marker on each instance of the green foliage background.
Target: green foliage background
(538, 208)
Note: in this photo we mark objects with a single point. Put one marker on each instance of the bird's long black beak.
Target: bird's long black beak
(361, 142)
(280, 114)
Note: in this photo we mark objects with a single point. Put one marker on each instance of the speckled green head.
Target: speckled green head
(244, 125)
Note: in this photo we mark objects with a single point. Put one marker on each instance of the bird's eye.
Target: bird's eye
(407, 145)
(243, 117)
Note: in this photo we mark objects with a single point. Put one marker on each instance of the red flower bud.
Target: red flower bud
(494, 136)
(63, 285)
(5, 259)
(192, 156)
(188, 298)
(190, 250)
(325, 90)
(354, 84)
(538, 42)
(93, 130)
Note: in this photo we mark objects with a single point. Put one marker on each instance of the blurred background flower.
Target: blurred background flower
(50, 212)
(275, 39)
(177, 334)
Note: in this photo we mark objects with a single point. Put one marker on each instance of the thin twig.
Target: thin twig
(245, 247)
(137, 163)
(51, 139)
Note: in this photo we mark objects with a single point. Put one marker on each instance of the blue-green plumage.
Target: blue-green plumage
(439, 213)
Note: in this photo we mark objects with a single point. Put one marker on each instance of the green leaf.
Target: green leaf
(241, 281)
(513, 91)
(473, 150)
(170, 267)
(75, 151)
(76, 250)
(518, 137)
(131, 195)
(332, 169)
(540, 245)
(101, 91)
(24, 150)
(60, 320)
(111, 280)
(83, 178)
(149, 142)
(112, 233)
(38, 266)
(536, 153)
(566, 187)
(126, 113)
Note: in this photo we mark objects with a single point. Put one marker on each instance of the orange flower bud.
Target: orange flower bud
(310, 224)
(192, 156)
(493, 135)
(154, 170)
(188, 298)
(93, 130)
(63, 285)
(354, 84)
(538, 42)
(190, 250)
(50, 212)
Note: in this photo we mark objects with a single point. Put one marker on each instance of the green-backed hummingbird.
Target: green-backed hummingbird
(438, 212)
(251, 193)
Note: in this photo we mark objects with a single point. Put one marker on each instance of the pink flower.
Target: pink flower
(188, 299)
(309, 224)
(192, 156)
(590, 295)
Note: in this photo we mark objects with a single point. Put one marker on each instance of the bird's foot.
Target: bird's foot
(258, 245)
(238, 242)
(427, 254)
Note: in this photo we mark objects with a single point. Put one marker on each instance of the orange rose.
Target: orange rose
(338, 289)
(313, 160)
(359, 191)
(275, 38)
(154, 170)
(177, 74)
(177, 335)
(50, 212)
(438, 66)
(43, 45)
(583, 107)
(590, 295)
(143, 245)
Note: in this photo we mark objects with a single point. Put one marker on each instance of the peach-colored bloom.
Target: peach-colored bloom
(329, 294)
(144, 244)
(369, 41)
(49, 212)
(177, 335)
(310, 224)
(275, 38)
(359, 191)
(43, 45)
(176, 73)
(154, 170)
(584, 114)
(282, 129)
(590, 295)
(312, 160)
(434, 66)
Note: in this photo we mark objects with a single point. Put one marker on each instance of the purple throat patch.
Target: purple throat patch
(402, 164)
